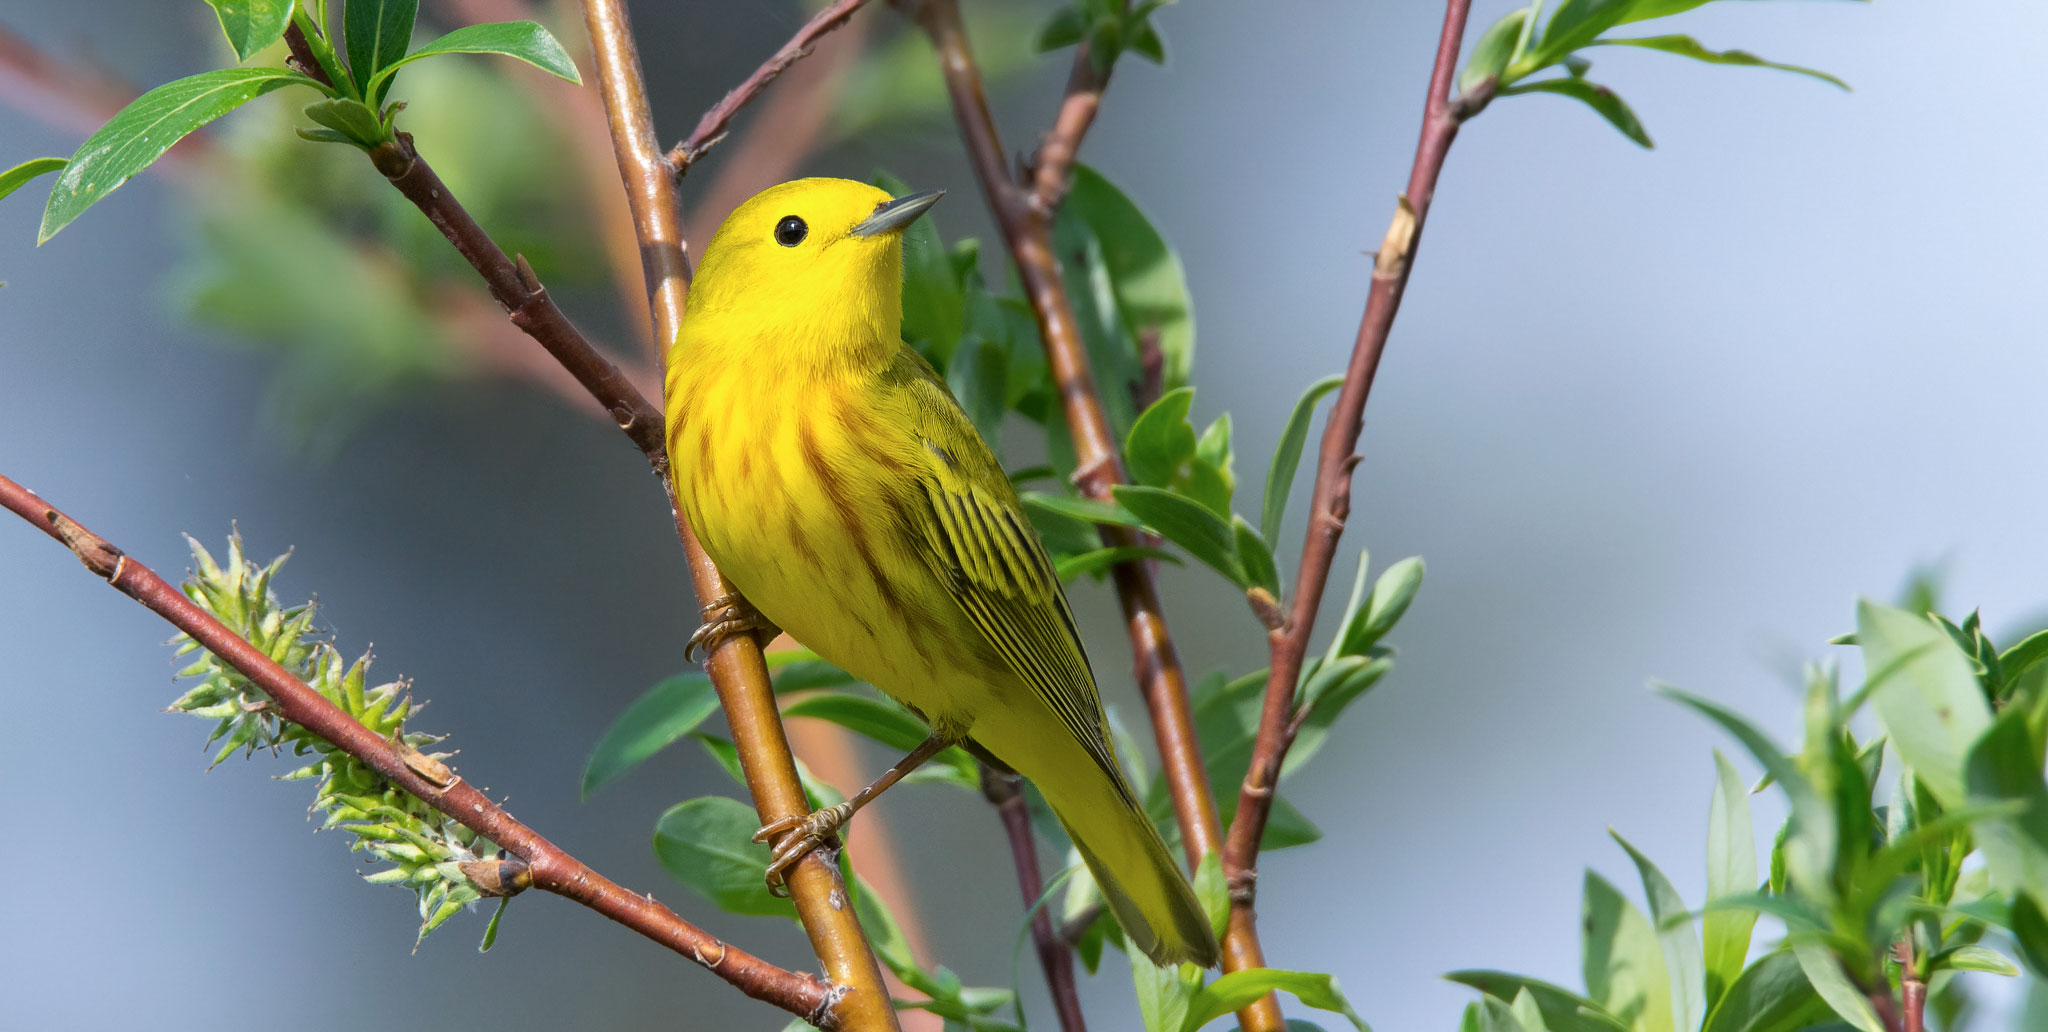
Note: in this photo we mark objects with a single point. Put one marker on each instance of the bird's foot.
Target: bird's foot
(799, 835)
(727, 615)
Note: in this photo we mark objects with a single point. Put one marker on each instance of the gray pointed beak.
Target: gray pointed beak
(896, 214)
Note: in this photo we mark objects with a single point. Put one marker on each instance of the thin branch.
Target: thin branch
(713, 126)
(1005, 791)
(1912, 987)
(549, 868)
(736, 667)
(1052, 168)
(1332, 503)
(1026, 223)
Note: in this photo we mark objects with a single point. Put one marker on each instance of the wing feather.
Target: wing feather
(983, 549)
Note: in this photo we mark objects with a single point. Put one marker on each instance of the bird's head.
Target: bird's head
(815, 262)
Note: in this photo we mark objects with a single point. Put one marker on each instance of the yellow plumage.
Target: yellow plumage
(843, 492)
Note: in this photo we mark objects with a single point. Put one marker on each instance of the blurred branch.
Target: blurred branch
(1005, 791)
(1023, 208)
(541, 864)
(713, 126)
(736, 666)
(1288, 643)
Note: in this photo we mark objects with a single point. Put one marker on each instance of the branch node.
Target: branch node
(500, 876)
(526, 275)
(1243, 886)
(1265, 607)
(98, 555)
(434, 771)
(1392, 259)
(393, 157)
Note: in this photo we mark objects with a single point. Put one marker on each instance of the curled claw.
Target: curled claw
(799, 835)
(726, 616)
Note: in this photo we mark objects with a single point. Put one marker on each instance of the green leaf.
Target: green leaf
(1773, 995)
(251, 25)
(1335, 685)
(1255, 558)
(1161, 440)
(1163, 992)
(1365, 625)
(1833, 985)
(523, 40)
(377, 33)
(491, 929)
(1808, 836)
(665, 713)
(1239, 988)
(19, 176)
(1574, 25)
(350, 118)
(1287, 456)
(1072, 566)
(707, 844)
(1926, 694)
(1973, 958)
(1675, 932)
(1496, 46)
(1601, 99)
(1085, 509)
(2013, 661)
(1525, 1012)
(1286, 826)
(1145, 275)
(885, 722)
(1624, 964)
(2000, 767)
(1731, 871)
(1212, 891)
(724, 753)
(934, 308)
(146, 128)
(803, 671)
(1686, 46)
(977, 377)
(1186, 523)
(883, 931)
(1064, 29)
(2030, 933)
(1563, 1010)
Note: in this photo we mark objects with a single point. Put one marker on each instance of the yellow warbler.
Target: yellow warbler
(847, 499)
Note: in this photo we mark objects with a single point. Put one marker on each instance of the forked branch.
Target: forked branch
(1023, 206)
(712, 127)
(1288, 643)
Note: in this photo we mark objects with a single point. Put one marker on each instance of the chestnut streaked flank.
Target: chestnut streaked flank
(848, 500)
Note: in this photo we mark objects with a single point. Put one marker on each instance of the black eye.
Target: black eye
(791, 231)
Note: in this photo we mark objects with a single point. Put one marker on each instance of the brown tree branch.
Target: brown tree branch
(1005, 791)
(1025, 217)
(550, 868)
(736, 667)
(1332, 503)
(712, 127)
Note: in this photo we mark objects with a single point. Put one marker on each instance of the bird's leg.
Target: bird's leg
(727, 615)
(801, 834)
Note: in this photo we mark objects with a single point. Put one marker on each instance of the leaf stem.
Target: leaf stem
(1023, 207)
(1288, 643)
(1005, 791)
(315, 56)
(552, 869)
(712, 127)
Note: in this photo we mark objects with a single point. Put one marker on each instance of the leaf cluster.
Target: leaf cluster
(422, 849)
(1522, 44)
(1871, 890)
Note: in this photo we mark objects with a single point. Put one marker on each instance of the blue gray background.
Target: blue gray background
(1646, 414)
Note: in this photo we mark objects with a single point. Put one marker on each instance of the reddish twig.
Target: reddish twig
(736, 667)
(713, 126)
(1025, 216)
(1912, 987)
(1005, 791)
(1332, 503)
(549, 868)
